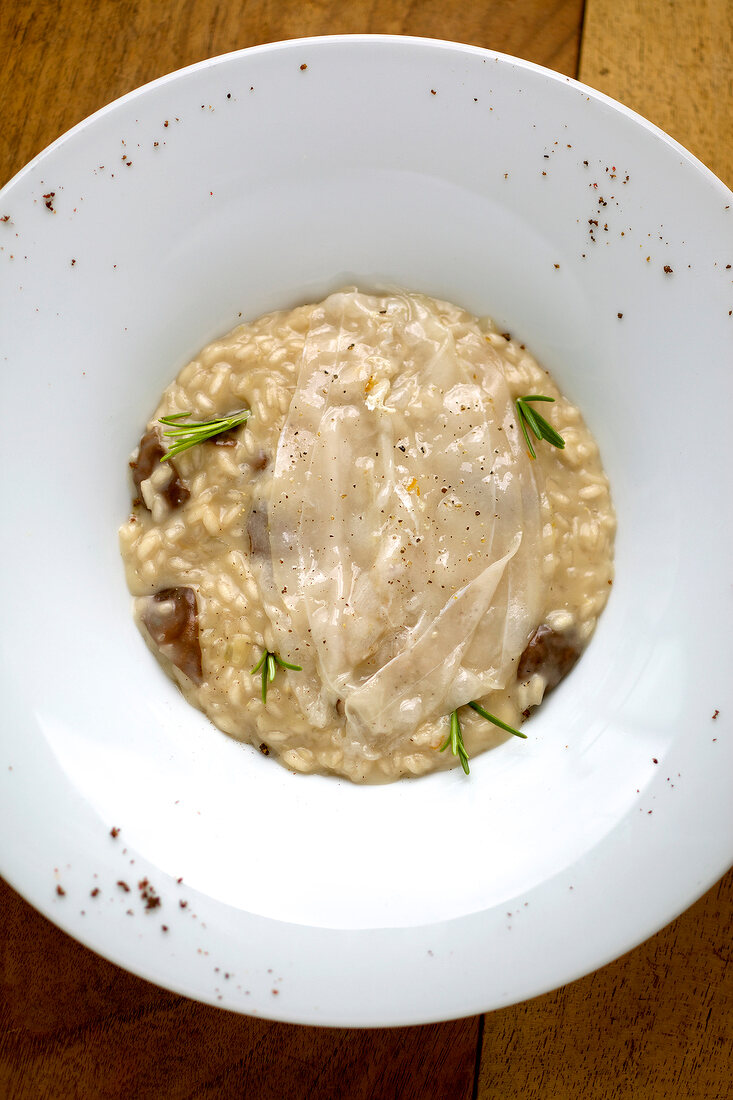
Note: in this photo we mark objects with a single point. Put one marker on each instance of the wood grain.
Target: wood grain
(655, 1024)
(60, 62)
(73, 1024)
(671, 61)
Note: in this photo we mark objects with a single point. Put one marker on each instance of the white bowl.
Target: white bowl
(267, 178)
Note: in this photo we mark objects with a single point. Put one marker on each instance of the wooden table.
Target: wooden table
(656, 1023)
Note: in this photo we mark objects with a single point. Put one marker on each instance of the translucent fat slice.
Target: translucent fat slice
(404, 518)
(424, 679)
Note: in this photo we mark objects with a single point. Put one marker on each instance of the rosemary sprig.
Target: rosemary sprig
(537, 423)
(268, 663)
(455, 736)
(188, 435)
(455, 740)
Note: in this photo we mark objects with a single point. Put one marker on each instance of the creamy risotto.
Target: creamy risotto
(379, 521)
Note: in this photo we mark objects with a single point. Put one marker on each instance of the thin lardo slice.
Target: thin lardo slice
(405, 520)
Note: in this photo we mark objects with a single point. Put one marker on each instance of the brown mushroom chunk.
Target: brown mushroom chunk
(259, 461)
(550, 654)
(176, 492)
(258, 530)
(171, 618)
(150, 452)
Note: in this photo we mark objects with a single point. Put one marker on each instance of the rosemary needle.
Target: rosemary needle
(188, 435)
(268, 663)
(497, 721)
(537, 423)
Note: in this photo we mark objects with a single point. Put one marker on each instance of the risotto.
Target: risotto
(377, 557)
